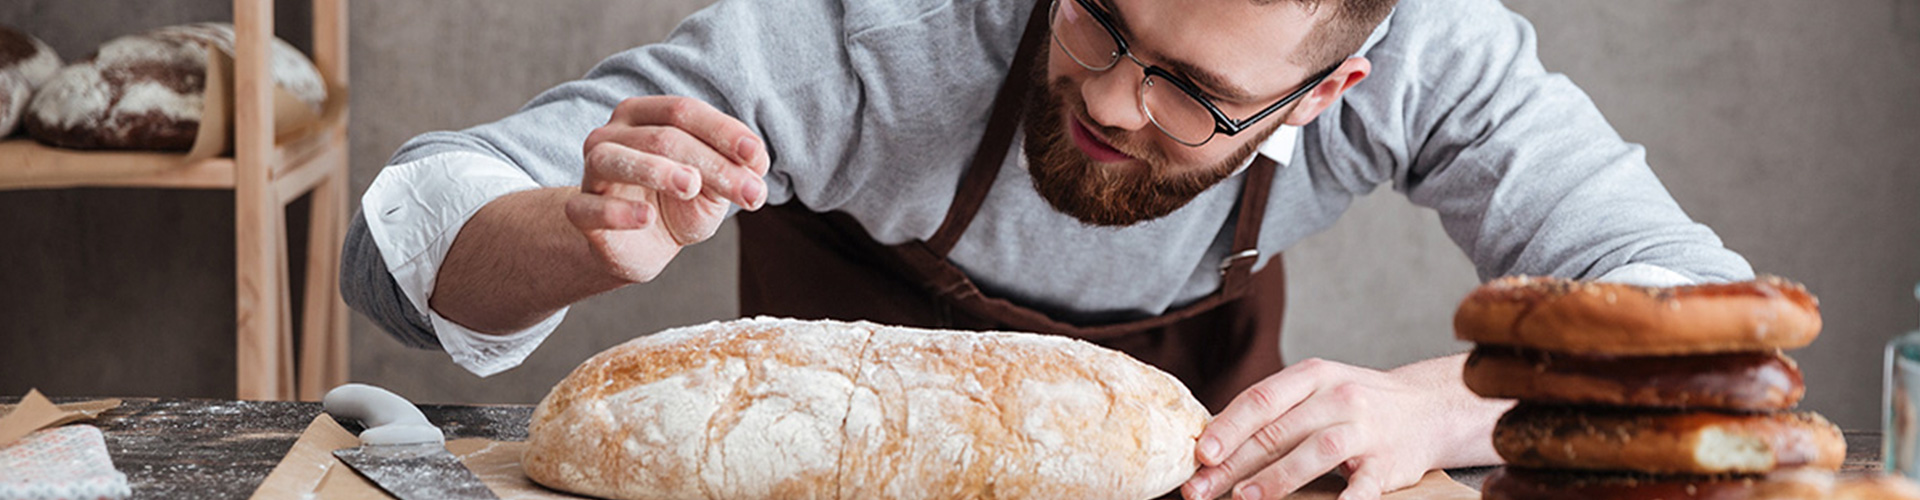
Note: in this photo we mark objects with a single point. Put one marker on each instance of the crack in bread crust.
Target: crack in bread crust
(859, 367)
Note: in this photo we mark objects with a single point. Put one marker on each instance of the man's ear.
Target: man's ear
(1350, 73)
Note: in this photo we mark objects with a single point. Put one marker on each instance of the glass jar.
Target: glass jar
(1900, 450)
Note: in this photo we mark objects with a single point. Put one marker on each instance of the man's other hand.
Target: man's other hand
(1382, 430)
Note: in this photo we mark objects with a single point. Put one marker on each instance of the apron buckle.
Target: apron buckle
(1226, 263)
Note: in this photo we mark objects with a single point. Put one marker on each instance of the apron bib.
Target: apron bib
(798, 263)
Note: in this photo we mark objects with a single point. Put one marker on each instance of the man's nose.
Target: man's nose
(1113, 98)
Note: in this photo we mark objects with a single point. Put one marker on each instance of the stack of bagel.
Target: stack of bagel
(1629, 392)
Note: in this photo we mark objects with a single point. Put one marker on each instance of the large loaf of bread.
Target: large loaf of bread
(785, 409)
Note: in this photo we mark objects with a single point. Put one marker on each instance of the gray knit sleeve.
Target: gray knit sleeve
(367, 287)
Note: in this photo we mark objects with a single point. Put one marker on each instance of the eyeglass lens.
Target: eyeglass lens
(1170, 109)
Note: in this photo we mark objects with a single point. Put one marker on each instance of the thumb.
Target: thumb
(1367, 481)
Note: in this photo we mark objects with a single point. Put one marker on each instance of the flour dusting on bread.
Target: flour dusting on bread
(773, 408)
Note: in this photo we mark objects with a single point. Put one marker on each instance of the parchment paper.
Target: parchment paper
(35, 412)
(311, 472)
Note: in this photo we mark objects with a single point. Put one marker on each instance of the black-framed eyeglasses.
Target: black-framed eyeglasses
(1186, 116)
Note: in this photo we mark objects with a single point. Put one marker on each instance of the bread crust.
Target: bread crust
(1654, 442)
(14, 93)
(29, 56)
(1534, 484)
(771, 408)
(1606, 318)
(1748, 381)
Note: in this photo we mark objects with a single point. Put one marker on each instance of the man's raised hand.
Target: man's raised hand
(659, 176)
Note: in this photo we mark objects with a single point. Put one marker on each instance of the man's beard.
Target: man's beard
(1105, 195)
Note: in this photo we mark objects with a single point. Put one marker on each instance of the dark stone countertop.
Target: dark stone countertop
(219, 449)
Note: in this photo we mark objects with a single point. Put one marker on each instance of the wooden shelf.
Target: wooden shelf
(26, 164)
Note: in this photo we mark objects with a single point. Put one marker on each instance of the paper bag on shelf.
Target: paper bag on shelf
(291, 117)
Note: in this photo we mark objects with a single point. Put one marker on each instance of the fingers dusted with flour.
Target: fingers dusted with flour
(660, 175)
(724, 157)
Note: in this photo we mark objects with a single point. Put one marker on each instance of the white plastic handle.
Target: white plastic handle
(390, 419)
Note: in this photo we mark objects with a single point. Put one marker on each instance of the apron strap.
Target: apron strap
(1237, 269)
(997, 142)
(928, 260)
(950, 284)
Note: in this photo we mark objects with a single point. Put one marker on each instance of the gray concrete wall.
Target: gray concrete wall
(1788, 126)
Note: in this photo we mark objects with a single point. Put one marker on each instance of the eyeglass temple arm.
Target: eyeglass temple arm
(1229, 126)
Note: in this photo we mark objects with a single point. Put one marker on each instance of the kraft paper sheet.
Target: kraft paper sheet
(311, 472)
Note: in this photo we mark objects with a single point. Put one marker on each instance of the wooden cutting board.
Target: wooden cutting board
(498, 464)
(311, 472)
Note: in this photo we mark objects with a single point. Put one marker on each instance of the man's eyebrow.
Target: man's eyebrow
(1210, 81)
(1214, 82)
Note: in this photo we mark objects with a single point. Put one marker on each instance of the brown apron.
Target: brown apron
(795, 262)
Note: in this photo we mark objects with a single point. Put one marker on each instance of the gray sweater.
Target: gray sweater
(873, 107)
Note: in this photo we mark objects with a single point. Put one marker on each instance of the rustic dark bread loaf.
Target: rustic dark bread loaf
(28, 55)
(147, 91)
(14, 93)
(786, 409)
(1746, 381)
(1653, 442)
(25, 62)
(1607, 318)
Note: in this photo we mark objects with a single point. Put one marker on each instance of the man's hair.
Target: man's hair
(1340, 35)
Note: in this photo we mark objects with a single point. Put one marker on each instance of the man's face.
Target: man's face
(1094, 154)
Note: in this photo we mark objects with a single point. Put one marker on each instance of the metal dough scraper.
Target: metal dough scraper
(400, 450)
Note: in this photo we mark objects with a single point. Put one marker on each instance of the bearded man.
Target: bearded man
(1122, 171)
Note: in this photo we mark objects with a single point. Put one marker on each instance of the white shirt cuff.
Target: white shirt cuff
(1648, 275)
(414, 211)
